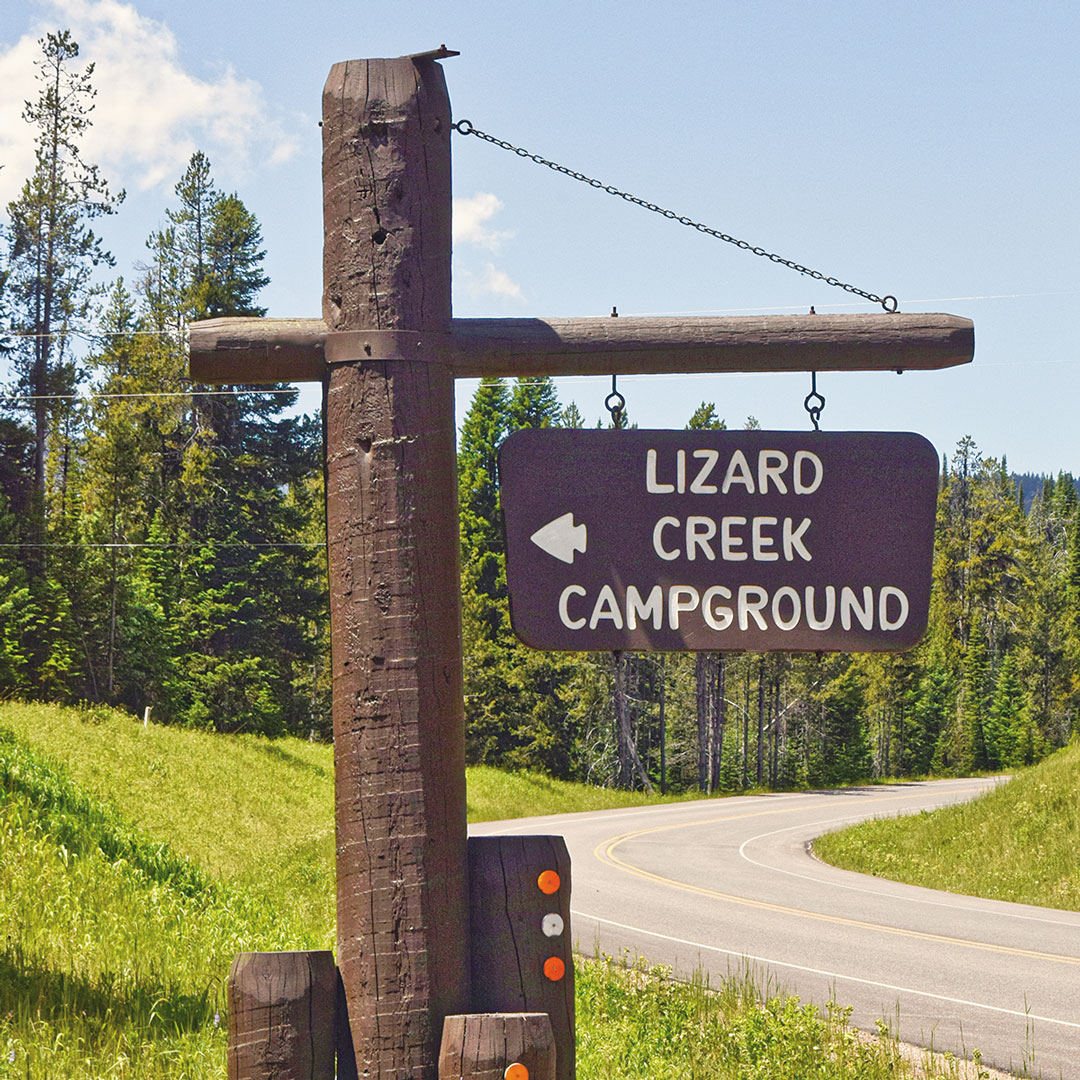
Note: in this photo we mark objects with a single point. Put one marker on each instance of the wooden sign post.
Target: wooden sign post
(387, 352)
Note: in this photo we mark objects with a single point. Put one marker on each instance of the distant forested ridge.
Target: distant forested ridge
(1030, 485)
(162, 543)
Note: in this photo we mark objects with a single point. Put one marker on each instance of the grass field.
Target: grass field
(135, 862)
(1019, 842)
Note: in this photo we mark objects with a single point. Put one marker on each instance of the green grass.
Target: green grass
(494, 795)
(1019, 842)
(635, 1023)
(238, 803)
(136, 862)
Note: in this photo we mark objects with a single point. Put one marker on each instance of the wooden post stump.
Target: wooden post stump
(281, 1016)
(519, 925)
(498, 1046)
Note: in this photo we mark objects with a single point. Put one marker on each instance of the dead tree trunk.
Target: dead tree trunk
(629, 761)
(718, 719)
(701, 677)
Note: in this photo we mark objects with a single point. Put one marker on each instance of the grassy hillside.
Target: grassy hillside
(135, 862)
(1019, 841)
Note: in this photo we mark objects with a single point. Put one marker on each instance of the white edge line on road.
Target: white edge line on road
(828, 974)
(879, 893)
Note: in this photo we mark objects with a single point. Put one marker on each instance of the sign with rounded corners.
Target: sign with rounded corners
(718, 540)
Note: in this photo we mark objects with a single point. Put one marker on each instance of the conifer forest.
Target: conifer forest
(162, 544)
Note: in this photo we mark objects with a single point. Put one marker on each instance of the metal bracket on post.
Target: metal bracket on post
(352, 346)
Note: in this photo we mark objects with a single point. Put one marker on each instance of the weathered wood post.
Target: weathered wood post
(398, 708)
(498, 1046)
(281, 1016)
(519, 917)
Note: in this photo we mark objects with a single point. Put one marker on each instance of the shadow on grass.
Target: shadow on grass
(294, 762)
(31, 990)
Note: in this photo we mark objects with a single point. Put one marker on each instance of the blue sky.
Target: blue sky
(929, 151)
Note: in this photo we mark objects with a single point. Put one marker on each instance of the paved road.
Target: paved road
(726, 882)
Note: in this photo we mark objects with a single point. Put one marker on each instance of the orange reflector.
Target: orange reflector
(549, 882)
(554, 968)
(517, 1071)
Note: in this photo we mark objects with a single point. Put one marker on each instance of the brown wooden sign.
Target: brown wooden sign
(718, 540)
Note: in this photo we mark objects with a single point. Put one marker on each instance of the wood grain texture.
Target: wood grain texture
(706, 344)
(509, 947)
(273, 350)
(249, 350)
(281, 1016)
(482, 1046)
(394, 575)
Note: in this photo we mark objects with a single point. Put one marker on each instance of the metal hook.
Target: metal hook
(615, 404)
(814, 402)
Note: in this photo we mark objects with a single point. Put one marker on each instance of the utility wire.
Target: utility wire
(148, 394)
(52, 545)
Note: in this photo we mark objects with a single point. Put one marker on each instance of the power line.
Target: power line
(148, 394)
(89, 335)
(165, 546)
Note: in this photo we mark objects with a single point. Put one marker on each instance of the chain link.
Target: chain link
(465, 127)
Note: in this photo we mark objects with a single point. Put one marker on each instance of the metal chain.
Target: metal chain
(465, 127)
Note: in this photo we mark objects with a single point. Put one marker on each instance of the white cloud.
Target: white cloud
(150, 113)
(470, 221)
(491, 281)
(471, 217)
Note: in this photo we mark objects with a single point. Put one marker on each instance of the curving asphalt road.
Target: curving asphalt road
(722, 883)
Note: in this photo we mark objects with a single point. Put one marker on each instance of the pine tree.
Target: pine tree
(20, 619)
(223, 493)
(533, 404)
(482, 555)
(1008, 741)
(970, 747)
(704, 418)
(53, 249)
(188, 236)
(571, 417)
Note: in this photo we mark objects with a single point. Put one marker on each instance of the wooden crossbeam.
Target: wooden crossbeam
(298, 350)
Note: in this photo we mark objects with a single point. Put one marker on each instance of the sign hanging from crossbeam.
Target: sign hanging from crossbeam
(387, 351)
(718, 540)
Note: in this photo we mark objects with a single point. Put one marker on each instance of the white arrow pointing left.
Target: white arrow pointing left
(561, 538)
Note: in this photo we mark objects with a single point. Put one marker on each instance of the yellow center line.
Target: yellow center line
(604, 852)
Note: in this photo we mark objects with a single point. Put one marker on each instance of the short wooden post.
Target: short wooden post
(519, 925)
(498, 1046)
(281, 1016)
